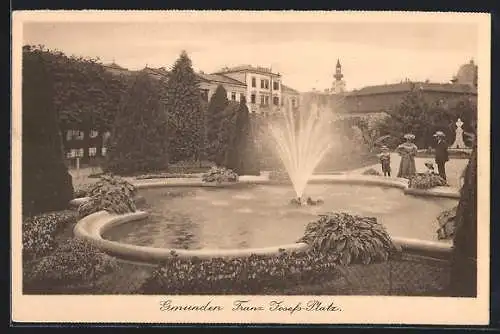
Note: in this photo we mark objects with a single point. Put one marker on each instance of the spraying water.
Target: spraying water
(302, 139)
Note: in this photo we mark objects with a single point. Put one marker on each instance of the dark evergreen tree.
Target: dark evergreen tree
(214, 119)
(46, 183)
(139, 139)
(241, 155)
(184, 111)
(463, 276)
(225, 152)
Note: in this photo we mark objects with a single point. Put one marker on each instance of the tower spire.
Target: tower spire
(338, 85)
(338, 71)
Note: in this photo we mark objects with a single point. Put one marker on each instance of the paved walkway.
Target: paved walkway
(454, 168)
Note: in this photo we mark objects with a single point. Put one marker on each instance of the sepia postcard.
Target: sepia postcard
(250, 167)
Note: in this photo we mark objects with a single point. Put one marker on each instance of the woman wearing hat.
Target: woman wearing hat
(407, 151)
(441, 153)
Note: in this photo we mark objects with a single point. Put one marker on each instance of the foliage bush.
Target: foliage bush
(371, 171)
(426, 181)
(446, 221)
(110, 193)
(349, 239)
(75, 261)
(220, 175)
(39, 232)
(240, 275)
(83, 190)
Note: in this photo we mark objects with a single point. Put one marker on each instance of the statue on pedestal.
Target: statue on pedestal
(459, 136)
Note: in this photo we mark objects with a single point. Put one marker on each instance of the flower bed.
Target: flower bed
(220, 175)
(238, 276)
(39, 233)
(426, 181)
(74, 262)
(371, 171)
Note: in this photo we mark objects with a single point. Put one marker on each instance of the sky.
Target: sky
(305, 53)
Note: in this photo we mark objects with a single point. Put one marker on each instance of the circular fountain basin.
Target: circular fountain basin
(260, 216)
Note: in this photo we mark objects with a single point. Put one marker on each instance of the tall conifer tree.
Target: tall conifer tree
(184, 111)
(139, 139)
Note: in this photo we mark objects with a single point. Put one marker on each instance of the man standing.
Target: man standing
(441, 153)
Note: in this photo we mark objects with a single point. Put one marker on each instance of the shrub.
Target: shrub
(110, 193)
(371, 171)
(426, 181)
(279, 175)
(83, 190)
(349, 239)
(73, 262)
(219, 175)
(39, 232)
(240, 275)
(446, 221)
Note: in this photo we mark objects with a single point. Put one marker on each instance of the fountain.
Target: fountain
(302, 139)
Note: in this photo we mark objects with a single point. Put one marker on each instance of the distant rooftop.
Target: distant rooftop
(406, 86)
(286, 89)
(247, 68)
(220, 78)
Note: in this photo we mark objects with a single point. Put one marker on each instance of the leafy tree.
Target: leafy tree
(139, 139)
(417, 115)
(46, 184)
(226, 136)
(85, 96)
(184, 111)
(214, 119)
(463, 277)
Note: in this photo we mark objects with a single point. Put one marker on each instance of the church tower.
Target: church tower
(338, 85)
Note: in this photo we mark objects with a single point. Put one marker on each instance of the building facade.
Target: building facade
(383, 98)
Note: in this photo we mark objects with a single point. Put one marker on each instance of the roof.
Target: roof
(407, 86)
(286, 89)
(247, 68)
(220, 79)
(115, 66)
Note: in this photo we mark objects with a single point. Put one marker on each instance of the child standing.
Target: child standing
(385, 161)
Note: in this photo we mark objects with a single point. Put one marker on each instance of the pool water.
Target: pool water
(250, 216)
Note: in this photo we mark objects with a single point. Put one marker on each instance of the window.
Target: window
(71, 154)
(242, 96)
(276, 85)
(266, 101)
(74, 135)
(262, 99)
(264, 84)
(254, 82)
(252, 98)
(103, 151)
(267, 84)
(276, 101)
(293, 102)
(93, 133)
(80, 153)
(233, 96)
(92, 151)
